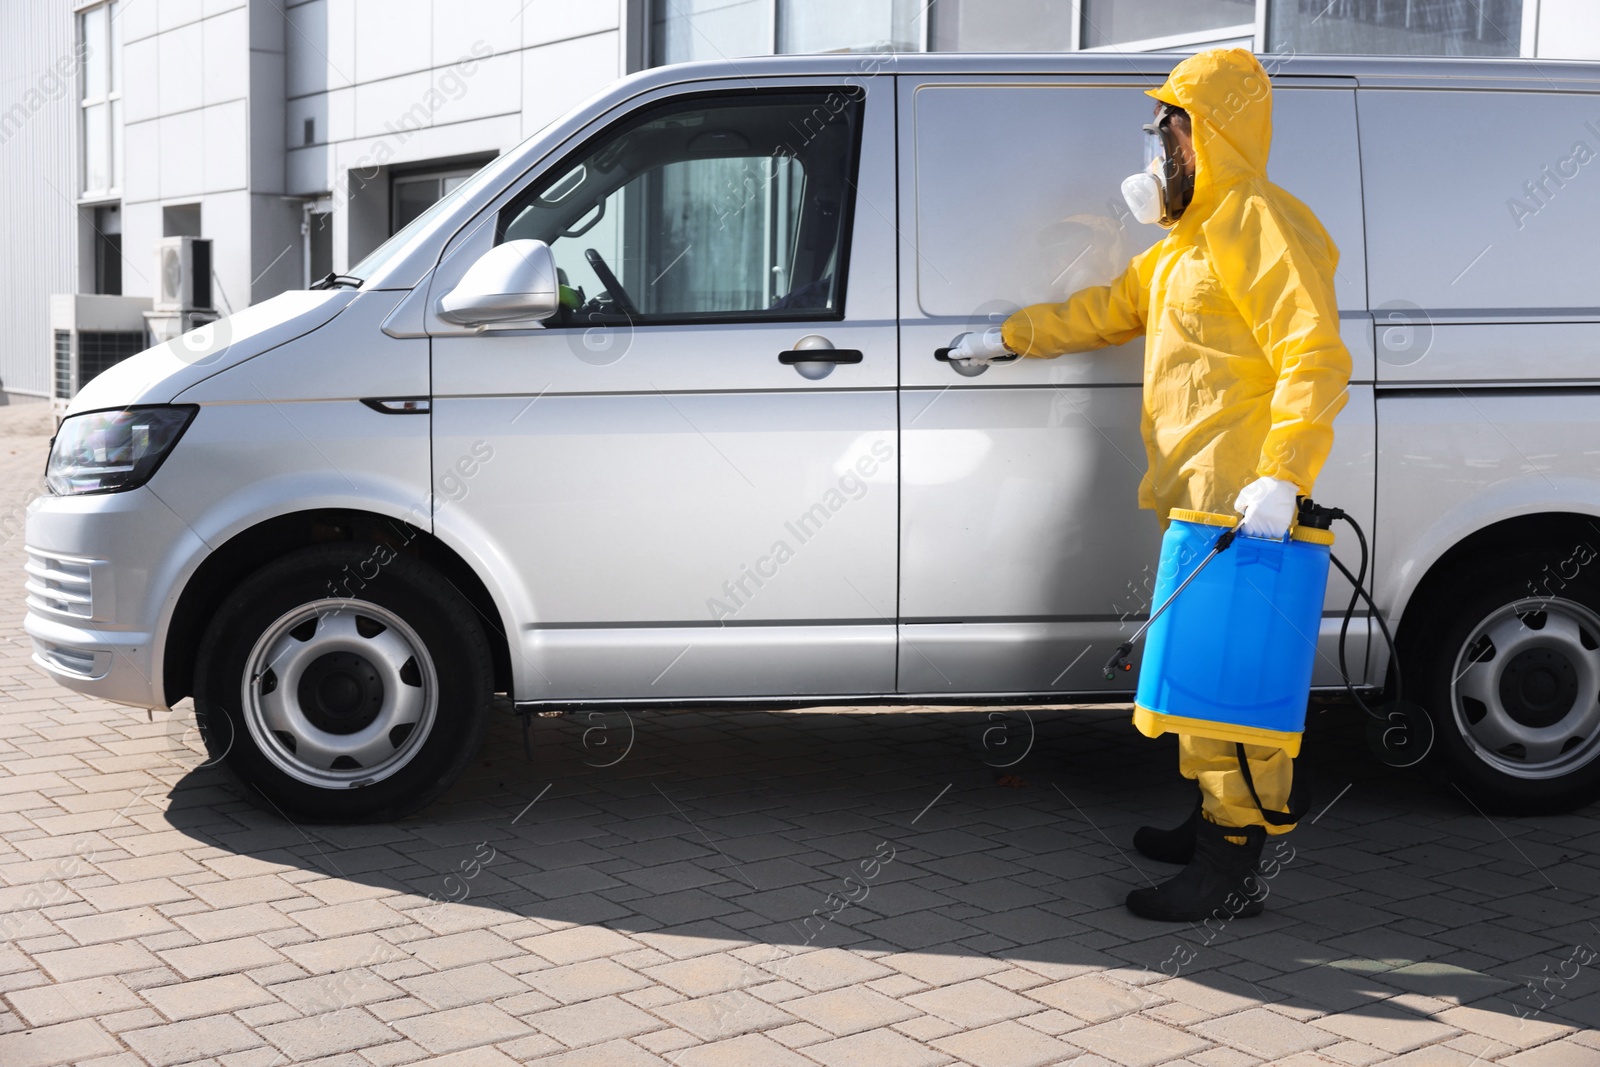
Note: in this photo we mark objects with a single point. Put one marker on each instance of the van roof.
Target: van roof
(1391, 71)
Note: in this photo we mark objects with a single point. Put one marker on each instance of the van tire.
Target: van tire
(385, 691)
(1495, 658)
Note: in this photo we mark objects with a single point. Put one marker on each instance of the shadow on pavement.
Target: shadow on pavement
(977, 840)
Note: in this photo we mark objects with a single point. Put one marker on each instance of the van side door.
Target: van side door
(1024, 557)
(684, 484)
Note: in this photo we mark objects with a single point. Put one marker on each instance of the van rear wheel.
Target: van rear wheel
(347, 683)
(1510, 673)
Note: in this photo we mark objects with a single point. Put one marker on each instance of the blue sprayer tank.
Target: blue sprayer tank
(1231, 658)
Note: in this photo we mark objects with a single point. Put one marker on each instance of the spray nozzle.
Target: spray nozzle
(1118, 661)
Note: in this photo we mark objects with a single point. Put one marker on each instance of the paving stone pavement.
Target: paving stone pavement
(844, 887)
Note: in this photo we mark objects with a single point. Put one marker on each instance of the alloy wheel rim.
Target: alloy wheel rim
(1525, 688)
(339, 694)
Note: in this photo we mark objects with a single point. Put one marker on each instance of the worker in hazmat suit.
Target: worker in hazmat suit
(1244, 372)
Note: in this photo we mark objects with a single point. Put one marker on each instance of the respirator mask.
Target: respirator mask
(1161, 191)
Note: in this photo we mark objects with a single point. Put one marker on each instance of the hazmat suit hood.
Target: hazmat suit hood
(1228, 96)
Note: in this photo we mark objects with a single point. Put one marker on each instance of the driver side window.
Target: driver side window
(710, 209)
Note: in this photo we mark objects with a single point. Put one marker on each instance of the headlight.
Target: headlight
(113, 451)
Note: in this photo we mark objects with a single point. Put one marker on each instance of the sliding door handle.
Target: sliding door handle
(943, 356)
(820, 355)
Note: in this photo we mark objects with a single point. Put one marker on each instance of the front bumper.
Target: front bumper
(103, 573)
(112, 665)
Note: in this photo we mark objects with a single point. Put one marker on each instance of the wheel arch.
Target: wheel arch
(271, 539)
(1546, 557)
(1553, 530)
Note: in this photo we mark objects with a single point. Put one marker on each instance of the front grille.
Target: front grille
(60, 584)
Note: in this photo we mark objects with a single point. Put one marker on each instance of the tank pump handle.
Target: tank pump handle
(1315, 516)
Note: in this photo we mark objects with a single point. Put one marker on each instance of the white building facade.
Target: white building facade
(296, 135)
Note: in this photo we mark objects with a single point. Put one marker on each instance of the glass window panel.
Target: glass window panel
(114, 53)
(708, 253)
(686, 30)
(94, 68)
(108, 250)
(1396, 27)
(1000, 26)
(108, 219)
(115, 168)
(96, 177)
(413, 196)
(384, 254)
(706, 210)
(1120, 21)
(848, 25)
(320, 238)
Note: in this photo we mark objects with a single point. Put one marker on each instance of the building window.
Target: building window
(848, 26)
(108, 250)
(100, 32)
(412, 194)
(685, 30)
(1117, 22)
(180, 220)
(318, 229)
(1414, 27)
(688, 30)
(1000, 26)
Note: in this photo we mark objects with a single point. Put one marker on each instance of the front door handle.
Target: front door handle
(813, 356)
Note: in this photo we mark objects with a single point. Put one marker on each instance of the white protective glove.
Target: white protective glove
(981, 349)
(1268, 506)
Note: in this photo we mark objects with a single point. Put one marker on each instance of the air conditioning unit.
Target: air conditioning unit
(90, 334)
(183, 274)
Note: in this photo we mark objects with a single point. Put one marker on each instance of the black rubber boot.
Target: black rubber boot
(1170, 846)
(1220, 882)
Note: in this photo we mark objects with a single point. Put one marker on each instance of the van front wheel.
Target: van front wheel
(347, 683)
(1511, 677)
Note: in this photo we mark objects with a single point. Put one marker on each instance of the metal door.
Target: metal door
(689, 489)
(1024, 556)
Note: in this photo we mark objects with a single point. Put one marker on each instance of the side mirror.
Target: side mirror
(511, 282)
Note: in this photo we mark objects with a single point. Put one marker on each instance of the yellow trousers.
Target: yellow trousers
(1214, 765)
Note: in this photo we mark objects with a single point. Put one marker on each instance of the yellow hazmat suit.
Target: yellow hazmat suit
(1244, 370)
